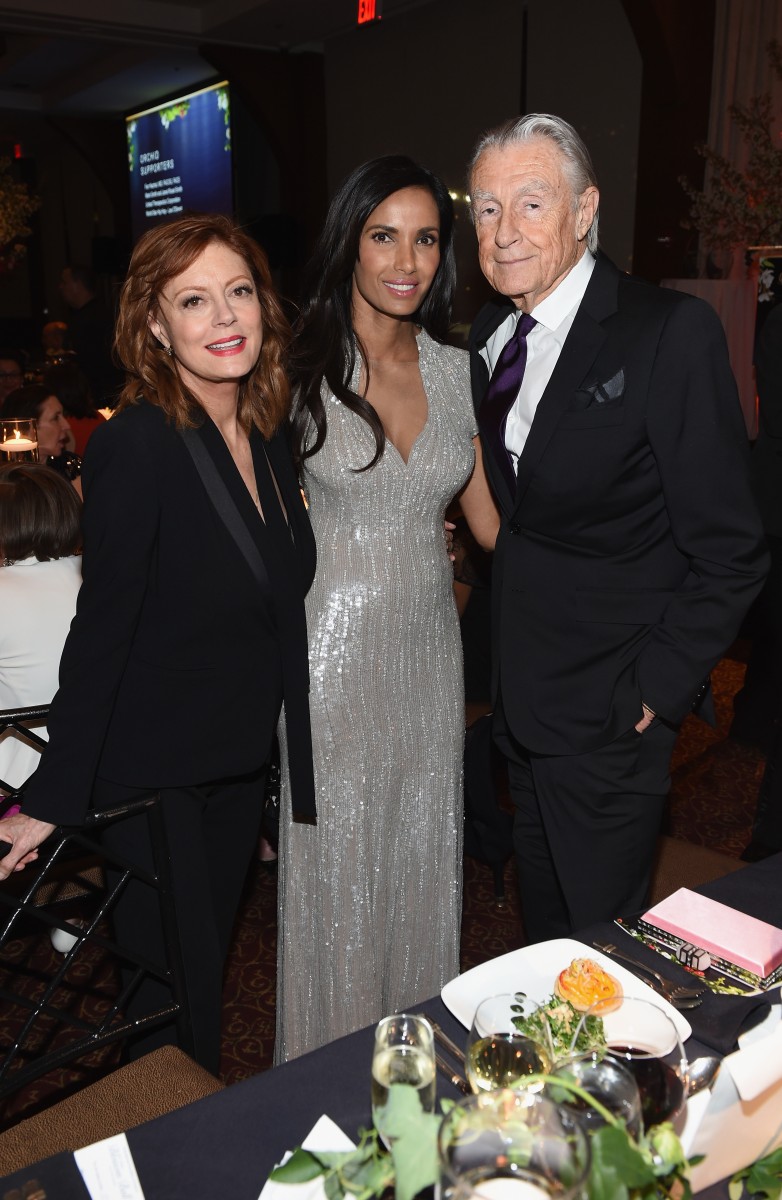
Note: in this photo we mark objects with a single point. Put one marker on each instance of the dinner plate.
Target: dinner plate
(533, 970)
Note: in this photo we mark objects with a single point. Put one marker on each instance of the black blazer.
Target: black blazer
(632, 546)
(178, 658)
(767, 452)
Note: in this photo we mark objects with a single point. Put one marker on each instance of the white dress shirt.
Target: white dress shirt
(554, 317)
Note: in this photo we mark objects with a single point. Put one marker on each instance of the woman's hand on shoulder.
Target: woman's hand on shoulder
(25, 835)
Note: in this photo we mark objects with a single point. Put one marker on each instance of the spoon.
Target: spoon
(702, 1073)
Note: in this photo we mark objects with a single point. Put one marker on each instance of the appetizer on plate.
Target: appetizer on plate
(585, 982)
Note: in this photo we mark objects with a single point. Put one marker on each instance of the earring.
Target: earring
(169, 351)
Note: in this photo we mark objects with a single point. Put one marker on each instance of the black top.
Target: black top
(177, 660)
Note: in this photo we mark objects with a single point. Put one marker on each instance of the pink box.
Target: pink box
(745, 941)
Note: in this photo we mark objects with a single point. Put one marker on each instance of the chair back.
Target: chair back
(59, 1007)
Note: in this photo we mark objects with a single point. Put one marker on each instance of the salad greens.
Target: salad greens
(555, 1024)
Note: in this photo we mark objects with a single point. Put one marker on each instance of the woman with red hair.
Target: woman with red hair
(190, 628)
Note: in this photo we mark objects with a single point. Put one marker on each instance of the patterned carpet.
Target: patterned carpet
(715, 783)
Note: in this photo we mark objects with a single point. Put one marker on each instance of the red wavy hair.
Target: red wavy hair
(160, 255)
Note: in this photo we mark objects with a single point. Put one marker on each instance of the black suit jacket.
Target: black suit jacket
(632, 546)
(177, 658)
(767, 453)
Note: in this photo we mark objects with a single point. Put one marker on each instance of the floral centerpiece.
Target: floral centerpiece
(623, 1168)
(16, 207)
(741, 208)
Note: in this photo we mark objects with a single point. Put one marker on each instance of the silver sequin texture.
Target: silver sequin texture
(370, 899)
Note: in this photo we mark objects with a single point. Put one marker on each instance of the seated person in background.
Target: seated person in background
(54, 349)
(11, 372)
(54, 341)
(69, 384)
(54, 432)
(40, 576)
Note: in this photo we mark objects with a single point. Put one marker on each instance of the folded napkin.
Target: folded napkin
(324, 1135)
(743, 1117)
(718, 1020)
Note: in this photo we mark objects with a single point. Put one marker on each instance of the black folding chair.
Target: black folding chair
(56, 1019)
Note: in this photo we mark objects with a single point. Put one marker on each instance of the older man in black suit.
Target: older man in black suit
(630, 545)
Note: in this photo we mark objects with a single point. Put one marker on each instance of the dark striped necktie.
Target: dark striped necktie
(501, 396)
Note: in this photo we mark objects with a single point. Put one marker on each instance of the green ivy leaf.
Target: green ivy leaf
(300, 1168)
(762, 1178)
(415, 1159)
(667, 1152)
(413, 1137)
(340, 1159)
(367, 1177)
(332, 1187)
(617, 1164)
(605, 1181)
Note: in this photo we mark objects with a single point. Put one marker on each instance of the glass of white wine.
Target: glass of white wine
(403, 1053)
(508, 1145)
(498, 1054)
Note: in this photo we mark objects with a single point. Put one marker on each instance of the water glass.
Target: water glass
(606, 1079)
(507, 1145)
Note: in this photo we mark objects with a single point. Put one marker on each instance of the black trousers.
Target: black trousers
(586, 826)
(758, 705)
(767, 829)
(212, 831)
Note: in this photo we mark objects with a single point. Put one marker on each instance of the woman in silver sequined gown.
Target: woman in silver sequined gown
(370, 897)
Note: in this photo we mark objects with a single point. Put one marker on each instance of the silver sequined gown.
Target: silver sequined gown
(370, 898)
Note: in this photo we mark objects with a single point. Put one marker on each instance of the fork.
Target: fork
(674, 992)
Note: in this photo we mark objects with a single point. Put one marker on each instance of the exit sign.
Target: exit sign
(368, 10)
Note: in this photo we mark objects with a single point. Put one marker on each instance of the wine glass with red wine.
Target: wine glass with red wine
(644, 1038)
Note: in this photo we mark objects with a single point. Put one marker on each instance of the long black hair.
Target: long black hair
(324, 345)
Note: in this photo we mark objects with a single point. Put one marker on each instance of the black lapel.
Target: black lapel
(224, 503)
(278, 452)
(488, 319)
(581, 347)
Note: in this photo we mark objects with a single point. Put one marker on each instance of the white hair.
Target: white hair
(577, 163)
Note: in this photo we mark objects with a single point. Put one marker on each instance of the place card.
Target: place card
(108, 1170)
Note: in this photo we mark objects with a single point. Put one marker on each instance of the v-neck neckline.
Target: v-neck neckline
(420, 341)
(406, 461)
